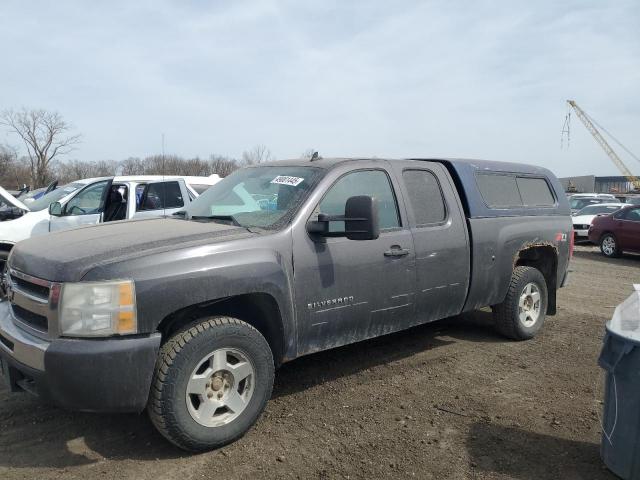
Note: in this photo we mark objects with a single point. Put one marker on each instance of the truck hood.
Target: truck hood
(11, 200)
(67, 256)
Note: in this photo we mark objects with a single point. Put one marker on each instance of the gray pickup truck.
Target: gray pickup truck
(189, 316)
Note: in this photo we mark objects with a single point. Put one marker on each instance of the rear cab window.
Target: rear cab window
(425, 197)
(505, 190)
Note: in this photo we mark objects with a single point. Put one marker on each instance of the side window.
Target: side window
(161, 195)
(633, 215)
(425, 196)
(366, 182)
(139, 191)
(88, 201)
(499, 190)
(535, 191)
(620, 214)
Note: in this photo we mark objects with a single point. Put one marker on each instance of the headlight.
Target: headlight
(98, 309)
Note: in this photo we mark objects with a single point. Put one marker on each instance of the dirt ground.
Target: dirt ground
(446, 400)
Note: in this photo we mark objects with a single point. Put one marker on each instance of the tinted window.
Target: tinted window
(633, 215)
(535, 191)
(367, 182)
(499, 190)
(425, 196)
(162, 195)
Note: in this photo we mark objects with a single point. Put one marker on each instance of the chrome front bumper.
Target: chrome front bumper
(18, 344)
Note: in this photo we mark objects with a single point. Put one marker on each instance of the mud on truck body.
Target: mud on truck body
(189, 316)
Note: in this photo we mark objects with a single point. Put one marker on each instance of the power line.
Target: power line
(635, 157)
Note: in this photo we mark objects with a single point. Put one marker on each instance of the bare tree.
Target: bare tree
(45, 135)
(258, 154)
(14, 170)
(132, 166)
(223, 166)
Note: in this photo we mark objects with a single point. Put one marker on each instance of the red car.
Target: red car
(617, 232)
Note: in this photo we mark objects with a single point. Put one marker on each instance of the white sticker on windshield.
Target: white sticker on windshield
(286, 180)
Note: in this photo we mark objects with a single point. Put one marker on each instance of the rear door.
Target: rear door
(162, 198)
(84, 208)
(628, 231)
(439, 231)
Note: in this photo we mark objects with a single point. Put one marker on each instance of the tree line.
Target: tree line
(46, 138)
(15, 171)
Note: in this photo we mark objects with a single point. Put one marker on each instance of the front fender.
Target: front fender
(171, 281)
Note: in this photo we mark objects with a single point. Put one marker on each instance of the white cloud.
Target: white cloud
(478, 79)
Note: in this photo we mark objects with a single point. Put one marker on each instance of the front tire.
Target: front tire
(211, 383)
(521, 315)
(609, 246)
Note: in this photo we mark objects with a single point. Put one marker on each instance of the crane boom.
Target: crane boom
(605, 145)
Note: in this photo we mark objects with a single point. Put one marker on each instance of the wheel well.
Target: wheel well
(607, 232)
(545, 259)
(259, 310)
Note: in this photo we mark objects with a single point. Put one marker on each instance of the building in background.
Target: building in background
(593, 184)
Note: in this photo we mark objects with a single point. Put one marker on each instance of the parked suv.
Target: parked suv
(189, 316)
(618, 232)
(95, 200)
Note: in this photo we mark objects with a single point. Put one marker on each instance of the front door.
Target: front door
(85, 208)
(350, 290)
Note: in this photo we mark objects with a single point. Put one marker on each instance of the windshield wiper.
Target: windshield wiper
(228, 218)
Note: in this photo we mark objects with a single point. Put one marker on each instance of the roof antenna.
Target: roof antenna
(315, 157)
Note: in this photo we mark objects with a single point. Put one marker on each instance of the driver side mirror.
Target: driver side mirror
(55, 209)
(360, 220)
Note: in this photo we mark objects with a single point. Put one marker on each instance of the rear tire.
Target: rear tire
(609, 246)
(521, 315)
(212, 381)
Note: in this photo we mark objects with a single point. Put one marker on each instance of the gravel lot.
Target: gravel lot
(447, 400)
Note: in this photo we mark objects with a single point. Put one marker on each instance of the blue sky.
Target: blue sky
(481, 79)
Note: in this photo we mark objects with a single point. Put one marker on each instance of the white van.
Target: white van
(95, 200)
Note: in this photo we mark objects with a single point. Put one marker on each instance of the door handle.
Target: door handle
(396, 251)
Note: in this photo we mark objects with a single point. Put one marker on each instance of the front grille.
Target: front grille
(29, 298)
(30, 287)
(39, 322)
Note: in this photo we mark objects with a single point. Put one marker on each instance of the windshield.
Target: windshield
(596, 209)
(55, 196)
(263, 197)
